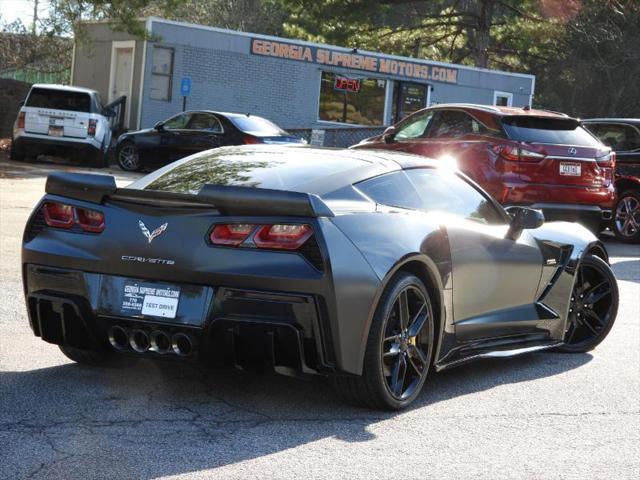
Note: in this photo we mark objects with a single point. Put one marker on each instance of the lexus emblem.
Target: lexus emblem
(572, 150)
(151, 235)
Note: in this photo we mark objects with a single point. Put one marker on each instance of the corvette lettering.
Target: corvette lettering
(158, 261)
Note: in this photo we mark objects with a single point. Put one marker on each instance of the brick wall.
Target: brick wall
(12, 92)
(238, 82)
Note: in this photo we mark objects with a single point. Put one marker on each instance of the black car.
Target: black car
(367, 267)
(623, 136)
(192, 132)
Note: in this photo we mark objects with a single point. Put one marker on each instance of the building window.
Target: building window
(408, 98)
(502, 99)
(161, 74)
(357, 101)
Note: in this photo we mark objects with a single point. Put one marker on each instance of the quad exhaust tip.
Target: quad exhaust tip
(158, 341)
(139, 340)
(118, 337)
(182, 344)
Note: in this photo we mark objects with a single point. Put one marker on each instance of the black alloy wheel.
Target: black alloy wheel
(128, 157)
(594, 306)
(399, 348)
(405, 362)
(626, 219)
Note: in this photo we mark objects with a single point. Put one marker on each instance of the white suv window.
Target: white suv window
(59, 100)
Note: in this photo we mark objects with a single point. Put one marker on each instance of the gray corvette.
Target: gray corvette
(371, 268)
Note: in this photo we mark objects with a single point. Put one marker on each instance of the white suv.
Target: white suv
(69, 121)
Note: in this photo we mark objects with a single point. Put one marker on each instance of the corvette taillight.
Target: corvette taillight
(91, 131)
(60, 215)
(21, 118)
(282, 237)
(230, 234)
(272, 236)
(90, 220)
(517, 153)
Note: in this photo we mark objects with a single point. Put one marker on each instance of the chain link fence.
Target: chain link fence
(336, 137)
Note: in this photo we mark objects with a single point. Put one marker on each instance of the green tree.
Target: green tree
(484, 33)
(596, 63)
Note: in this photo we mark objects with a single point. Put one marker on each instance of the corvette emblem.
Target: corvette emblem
(151, 235)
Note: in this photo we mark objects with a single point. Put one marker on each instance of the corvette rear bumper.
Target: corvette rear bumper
(217, 325)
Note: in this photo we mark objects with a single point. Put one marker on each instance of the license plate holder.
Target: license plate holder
(570, 169)
(149, 299)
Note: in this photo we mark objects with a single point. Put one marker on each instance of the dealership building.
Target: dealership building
(302, 86)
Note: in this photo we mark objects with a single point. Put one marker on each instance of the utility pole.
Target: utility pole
(35, 17)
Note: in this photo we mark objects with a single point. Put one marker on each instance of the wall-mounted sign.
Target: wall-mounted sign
(185, 86)
(347, 84)
(357, 61)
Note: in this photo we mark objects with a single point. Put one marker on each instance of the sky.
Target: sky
(11, 10)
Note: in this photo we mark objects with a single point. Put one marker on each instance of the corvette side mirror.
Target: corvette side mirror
(523, 218)
(389, 134)
(159, 126)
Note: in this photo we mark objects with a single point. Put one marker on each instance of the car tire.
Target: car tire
(593, 308)
(627, 209)
(86, 357)
(385, 354)
(128, 157)
(14, 154)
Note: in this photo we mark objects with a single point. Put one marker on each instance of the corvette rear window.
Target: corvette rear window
(244, 167)
(559, 131)
(59, 100)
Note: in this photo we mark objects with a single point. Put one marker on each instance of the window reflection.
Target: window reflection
(364, 106)
(286, 168)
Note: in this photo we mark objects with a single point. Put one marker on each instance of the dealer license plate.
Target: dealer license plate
(570, 169)
(155, 300)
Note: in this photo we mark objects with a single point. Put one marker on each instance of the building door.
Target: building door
(408, 98)
(122, 58)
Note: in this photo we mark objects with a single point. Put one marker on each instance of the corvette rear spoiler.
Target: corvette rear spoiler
(81, 186)
(228, 200)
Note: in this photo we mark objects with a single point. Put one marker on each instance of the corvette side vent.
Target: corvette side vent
(35, 227)
(311, 251)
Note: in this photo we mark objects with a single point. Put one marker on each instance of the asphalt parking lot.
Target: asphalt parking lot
(546, 415)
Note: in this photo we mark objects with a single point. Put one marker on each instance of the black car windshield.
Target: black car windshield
(259, 166)
(561, 131)
(258, 126)
(59, 100)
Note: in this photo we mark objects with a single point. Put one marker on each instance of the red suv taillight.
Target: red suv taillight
(21, 117)
(607, 160)
(274, 236)
(250, 140)
(91, 131)
(517, 153)
(60, 215)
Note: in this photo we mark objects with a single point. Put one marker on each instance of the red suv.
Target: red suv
(537, 158)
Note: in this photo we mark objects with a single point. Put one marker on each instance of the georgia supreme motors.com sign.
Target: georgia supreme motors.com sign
(357, 61)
